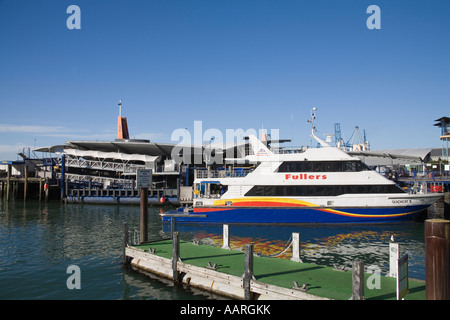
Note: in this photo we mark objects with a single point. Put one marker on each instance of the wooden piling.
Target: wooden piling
(436, 210)
(40, 190)
(173, 225)
(437, 259)
(144, 215)
(248, 273)
(8, 183)
(63, 177)
(358, 280)
(25, 183)
(175, 257)
(124, 242)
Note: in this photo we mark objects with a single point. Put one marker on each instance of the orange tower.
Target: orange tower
(122, 126)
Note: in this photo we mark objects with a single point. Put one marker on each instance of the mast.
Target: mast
(313, 129)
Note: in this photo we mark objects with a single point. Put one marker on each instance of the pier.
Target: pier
(244, 275)
(24, 186)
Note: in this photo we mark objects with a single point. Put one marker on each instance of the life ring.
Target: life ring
(46, 186)
(162, 200)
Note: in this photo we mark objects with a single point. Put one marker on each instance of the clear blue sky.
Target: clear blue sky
(232, 64)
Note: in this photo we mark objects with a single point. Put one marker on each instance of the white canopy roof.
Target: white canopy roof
(111, 155)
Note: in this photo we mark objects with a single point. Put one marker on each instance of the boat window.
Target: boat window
(328, 166)
(259, 191)
(307, 166)
(322, 166)
(350, 166)
(330, 190)
(281, 190)
(299, 190)
(318, 166)
(320, 190)
(338, 166)
(338, 190)
(270, 191)
(361, 166)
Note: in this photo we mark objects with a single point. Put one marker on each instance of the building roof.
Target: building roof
(137, 147)
(445, 119)
(393, 156)
(110, 155)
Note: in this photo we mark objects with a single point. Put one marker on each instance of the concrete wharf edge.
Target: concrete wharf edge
(274, 276)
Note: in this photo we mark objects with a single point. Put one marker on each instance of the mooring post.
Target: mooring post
(40, 190)
(436, 210)
(226, 237)
(296, 247)
(175, 257)
(173, 225)
(144, 215)
(124, 242)
(63, 176)
(248, 271)
(358, 280)
(437, 259)
(8, 183)
(25, 183)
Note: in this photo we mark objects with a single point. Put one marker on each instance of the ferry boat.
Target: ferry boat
(313, 185)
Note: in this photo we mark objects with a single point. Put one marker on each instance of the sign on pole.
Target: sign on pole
(394, 254)
(402, 277)
(144, 178)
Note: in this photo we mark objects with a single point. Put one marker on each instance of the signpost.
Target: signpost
(394, 254)
(144, 182)
(144, 178)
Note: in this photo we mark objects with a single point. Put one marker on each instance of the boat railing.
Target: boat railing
(424, 175)
(204, 174)
(289, 150)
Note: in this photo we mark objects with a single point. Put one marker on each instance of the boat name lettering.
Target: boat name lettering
(401, 201)
(305, 176)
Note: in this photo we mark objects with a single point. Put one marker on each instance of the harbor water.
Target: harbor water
(40, 241)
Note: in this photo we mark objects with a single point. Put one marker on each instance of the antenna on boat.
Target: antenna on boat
(313, 129)
(313, 117)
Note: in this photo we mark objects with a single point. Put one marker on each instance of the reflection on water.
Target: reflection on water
(329, 245)
(39, 241)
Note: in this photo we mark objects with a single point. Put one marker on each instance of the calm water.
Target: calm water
(38, 242)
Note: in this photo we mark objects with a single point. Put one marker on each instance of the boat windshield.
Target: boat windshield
(209, 189)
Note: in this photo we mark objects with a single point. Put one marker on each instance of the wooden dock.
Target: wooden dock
(225, 272)
(26, 188)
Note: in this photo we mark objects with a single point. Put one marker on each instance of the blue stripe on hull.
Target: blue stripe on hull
(307, 215)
